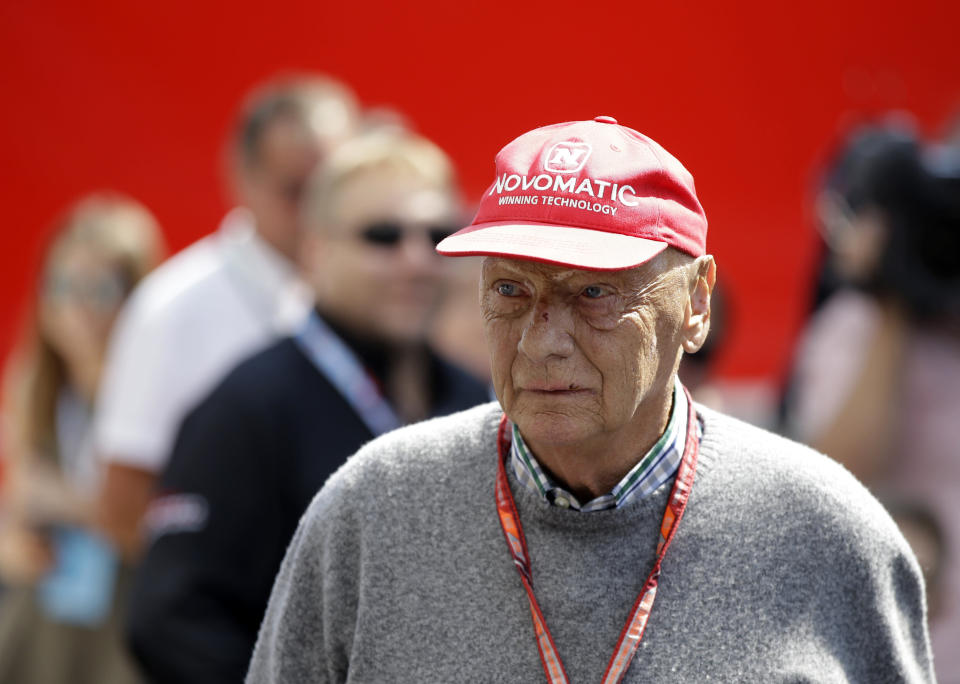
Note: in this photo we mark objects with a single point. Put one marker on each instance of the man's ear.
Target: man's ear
(696, 323)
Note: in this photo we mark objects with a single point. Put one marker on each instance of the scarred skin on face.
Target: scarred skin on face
(583, 361)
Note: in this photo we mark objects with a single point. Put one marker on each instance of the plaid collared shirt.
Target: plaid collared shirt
(656, 467)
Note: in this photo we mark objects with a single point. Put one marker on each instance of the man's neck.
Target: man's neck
(408, 382)
(593, 467)
(280, 239)
(404, 372)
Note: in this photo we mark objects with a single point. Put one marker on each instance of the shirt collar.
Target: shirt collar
(656, 467)
(269, 279)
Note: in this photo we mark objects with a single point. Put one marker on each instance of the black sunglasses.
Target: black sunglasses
(389, 233)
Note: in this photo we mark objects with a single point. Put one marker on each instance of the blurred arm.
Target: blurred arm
(143, 389)
(845, 382)
(861, 432)
(124, 499)
(204, 581)
(25, 554)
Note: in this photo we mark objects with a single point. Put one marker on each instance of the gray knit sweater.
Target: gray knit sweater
(784, 570)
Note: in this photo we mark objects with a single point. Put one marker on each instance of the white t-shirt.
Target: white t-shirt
(183, 328)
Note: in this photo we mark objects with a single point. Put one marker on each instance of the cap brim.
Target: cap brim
(562, 245)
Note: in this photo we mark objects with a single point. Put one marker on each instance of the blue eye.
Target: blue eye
(508, 289)
(594, 292)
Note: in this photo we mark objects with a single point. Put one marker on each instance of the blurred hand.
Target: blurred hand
(42, 497)
(25, 555)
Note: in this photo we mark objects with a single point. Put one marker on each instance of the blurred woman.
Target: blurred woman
(58, 614)
(876, 382)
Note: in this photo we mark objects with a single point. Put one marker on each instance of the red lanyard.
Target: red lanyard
(637, 621)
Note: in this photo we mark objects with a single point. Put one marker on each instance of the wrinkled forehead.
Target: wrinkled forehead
(630, 278)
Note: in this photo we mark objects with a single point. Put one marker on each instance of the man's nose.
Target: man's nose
(547, 332)
(418, 252)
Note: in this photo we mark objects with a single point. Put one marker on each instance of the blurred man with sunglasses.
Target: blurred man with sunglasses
(219, 300)
(251, 456)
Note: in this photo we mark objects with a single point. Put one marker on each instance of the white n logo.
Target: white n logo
(567, 157)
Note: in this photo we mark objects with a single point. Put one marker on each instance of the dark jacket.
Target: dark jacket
(246, 463)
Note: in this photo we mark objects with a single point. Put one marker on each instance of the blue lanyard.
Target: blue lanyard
(340, 365)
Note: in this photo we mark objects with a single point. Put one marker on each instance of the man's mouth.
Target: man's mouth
(555, 389)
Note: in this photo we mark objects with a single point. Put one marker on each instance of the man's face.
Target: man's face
(271, 185)
(373, 264)
(578, 357)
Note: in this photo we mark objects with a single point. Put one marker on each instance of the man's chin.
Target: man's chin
(552, 428)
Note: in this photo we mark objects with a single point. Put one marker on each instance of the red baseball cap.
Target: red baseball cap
(587, 194)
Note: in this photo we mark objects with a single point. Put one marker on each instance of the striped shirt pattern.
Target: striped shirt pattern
(656, 467)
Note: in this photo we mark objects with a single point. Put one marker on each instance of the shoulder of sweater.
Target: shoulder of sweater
(414, 460)
(779, 476)
(756, 452)
(429, 444)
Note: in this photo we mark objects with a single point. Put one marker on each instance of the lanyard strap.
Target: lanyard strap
(337, 362)
(636, 623)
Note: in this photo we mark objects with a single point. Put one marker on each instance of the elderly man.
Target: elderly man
(596, 524)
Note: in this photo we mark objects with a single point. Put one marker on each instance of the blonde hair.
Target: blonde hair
(124, 233)
(383, 148)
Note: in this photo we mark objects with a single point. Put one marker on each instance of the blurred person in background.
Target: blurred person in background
(220, 299)
(457, 331)
(59, 619)
(252, 455)
(924, 533)
(876, 383)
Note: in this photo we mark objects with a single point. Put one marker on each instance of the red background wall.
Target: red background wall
(137, 96)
